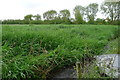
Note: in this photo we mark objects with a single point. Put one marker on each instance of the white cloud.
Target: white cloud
(17, 9)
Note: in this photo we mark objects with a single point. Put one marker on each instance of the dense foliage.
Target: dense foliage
(32, 51)
(82, 14)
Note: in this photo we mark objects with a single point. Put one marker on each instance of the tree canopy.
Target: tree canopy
(82, 14)
(28, 17)
(91, 11)
(50, 15)
(65, 15)
(111, 10)
(79, 13)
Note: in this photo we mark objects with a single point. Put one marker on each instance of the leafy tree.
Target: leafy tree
(111, 10)
(49, 15)
(65, 15)
(79, 13)
(37, 17)
(28, 17)
(91, 11)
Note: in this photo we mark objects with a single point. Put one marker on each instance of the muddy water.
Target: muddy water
(66, 72)
(111, 61)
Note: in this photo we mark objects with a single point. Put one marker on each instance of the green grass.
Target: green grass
(113, 47)
(33, 51)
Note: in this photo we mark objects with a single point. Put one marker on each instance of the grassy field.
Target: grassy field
(32, 51)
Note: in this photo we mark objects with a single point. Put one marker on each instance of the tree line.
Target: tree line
(83, 15)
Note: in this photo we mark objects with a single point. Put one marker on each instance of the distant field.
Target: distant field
(32, 51)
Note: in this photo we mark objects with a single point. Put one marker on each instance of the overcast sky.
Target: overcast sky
(17, 9)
